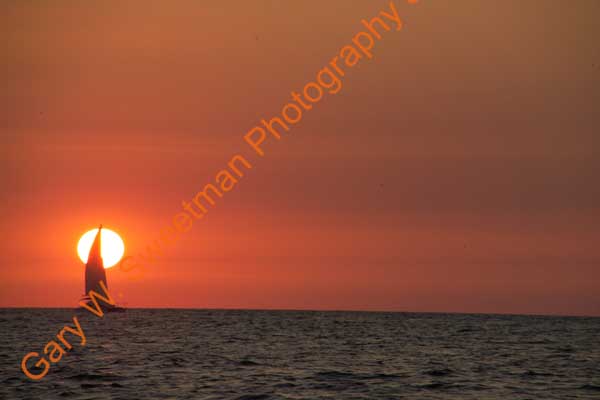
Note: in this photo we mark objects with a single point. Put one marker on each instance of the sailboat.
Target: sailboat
(95, 273)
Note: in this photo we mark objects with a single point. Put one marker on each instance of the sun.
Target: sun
(112, 246)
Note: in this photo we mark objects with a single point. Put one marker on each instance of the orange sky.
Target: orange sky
(455, 171)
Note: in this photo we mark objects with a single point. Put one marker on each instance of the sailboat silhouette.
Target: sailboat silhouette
(95, 273)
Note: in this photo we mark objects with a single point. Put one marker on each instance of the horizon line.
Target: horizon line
(558, 315)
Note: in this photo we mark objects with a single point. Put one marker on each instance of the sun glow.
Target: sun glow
(112, 246)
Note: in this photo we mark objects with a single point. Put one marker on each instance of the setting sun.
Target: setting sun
(112, 246)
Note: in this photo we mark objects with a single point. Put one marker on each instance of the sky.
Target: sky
(456, 171)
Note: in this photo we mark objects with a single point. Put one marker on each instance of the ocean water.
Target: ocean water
(228, 354)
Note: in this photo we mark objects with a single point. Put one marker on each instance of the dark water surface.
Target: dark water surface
(218, 354)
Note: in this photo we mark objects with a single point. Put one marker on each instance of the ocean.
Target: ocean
(231, 354)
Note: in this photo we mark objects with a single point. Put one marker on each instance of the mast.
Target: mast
(94, 268)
